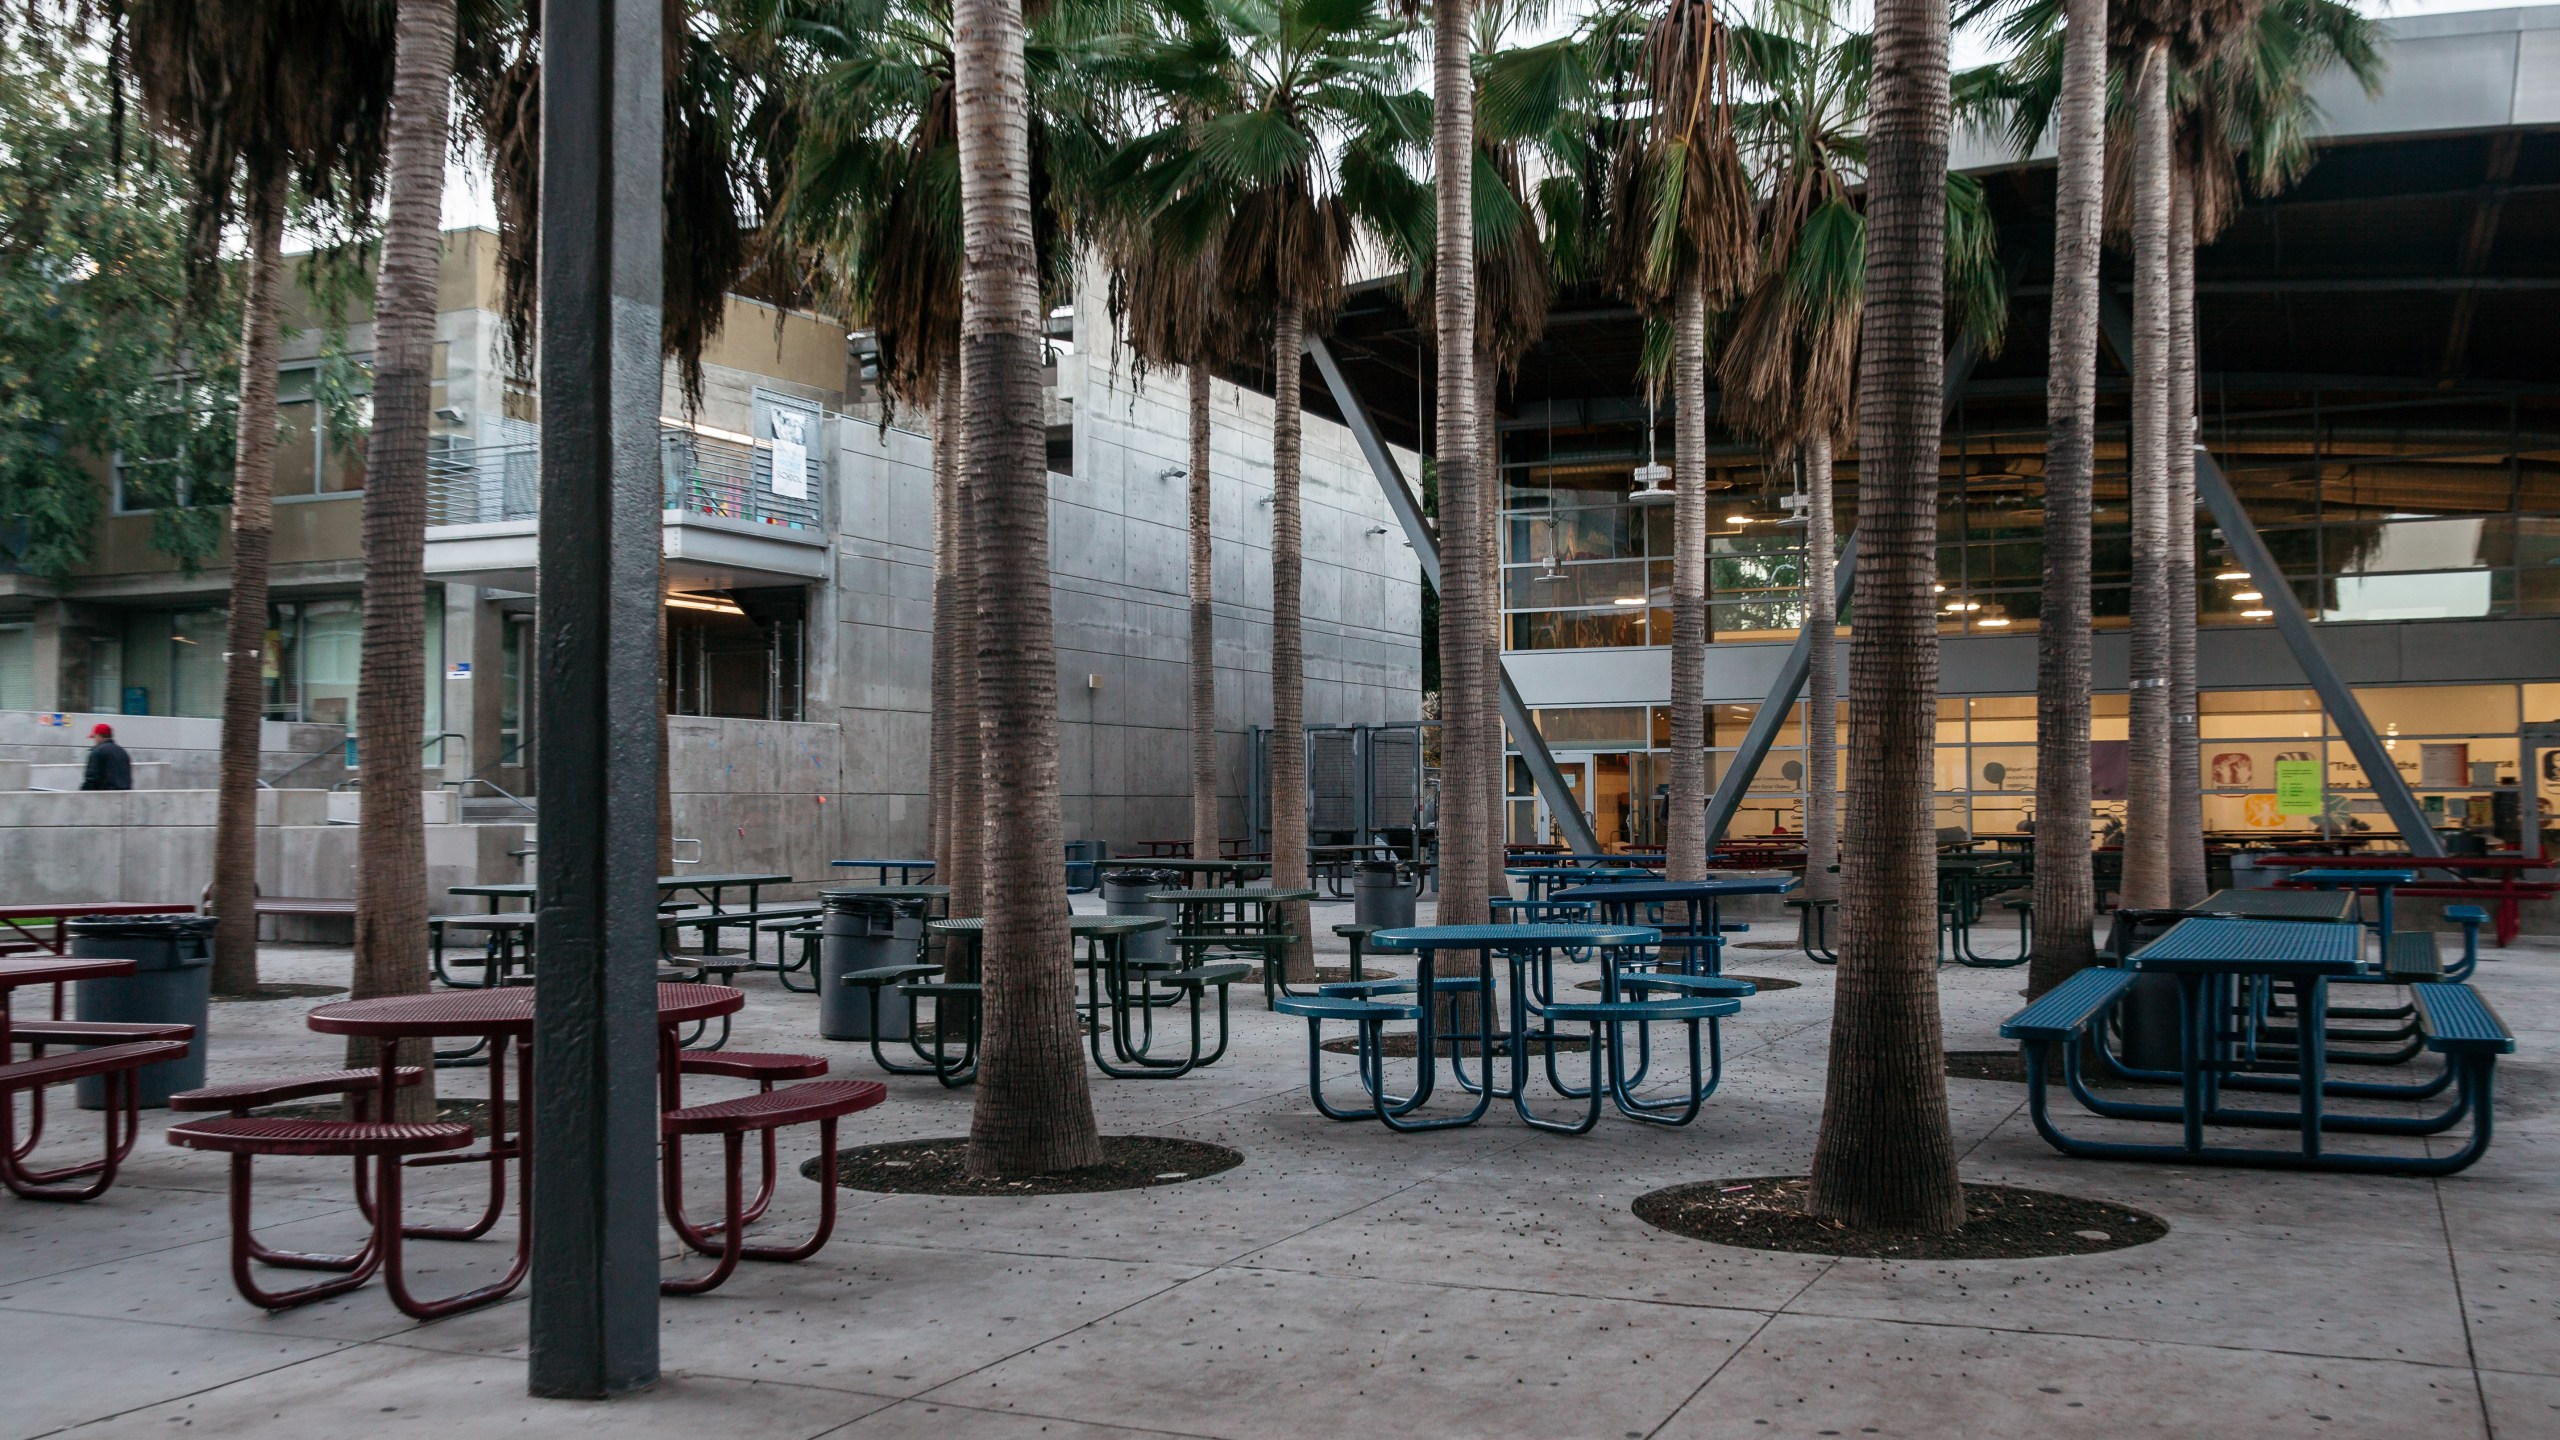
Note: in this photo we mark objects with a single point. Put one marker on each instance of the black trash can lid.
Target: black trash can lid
(1378, 867)
(173, 926)
(1145, 878)
(847, 902)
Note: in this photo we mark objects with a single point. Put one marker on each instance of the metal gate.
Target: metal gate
(1366, 785)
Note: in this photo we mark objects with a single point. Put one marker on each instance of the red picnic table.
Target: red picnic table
(116, 1063)
(503, 1017)
(2498, 882)
(21, 925)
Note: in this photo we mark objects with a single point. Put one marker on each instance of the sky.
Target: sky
(466, 190)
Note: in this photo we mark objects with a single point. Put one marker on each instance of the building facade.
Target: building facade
(797, 592)
(2376, 382)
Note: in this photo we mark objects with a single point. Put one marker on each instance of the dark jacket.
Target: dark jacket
(109, 768)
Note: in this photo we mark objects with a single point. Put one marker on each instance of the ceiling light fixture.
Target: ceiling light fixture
(2232, 575)
(2256, 614)
(2247, 595)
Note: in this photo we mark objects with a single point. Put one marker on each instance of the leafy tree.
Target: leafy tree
(100, 357)
(1255, 100)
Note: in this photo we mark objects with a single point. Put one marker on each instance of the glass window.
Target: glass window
(17, 667)
(332, 660)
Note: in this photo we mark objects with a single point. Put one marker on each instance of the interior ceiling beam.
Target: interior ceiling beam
(2477, 245)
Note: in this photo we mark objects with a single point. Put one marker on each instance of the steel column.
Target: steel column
(2247, 547)
(1426, 547)
(594, 1322)
(2251, 551)
(1783, 694)
(1784, 691)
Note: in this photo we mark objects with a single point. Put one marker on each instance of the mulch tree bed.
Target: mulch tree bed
(2002, 1222)
(935, 1167)
(284, 990)
(1766, 983)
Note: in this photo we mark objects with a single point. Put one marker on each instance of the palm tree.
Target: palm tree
(1886, 1159)
(1536, 110)
(391, 848)
(871, 208)
(1034, 1110)
(2156, 36)
(1164, 291)
(257, 94)
(1686, 243)
(2245, 122)
(1789, 370)
(2058, 81)
(1259, 97)
(727, 144)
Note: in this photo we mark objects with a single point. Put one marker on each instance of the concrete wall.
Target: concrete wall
(157, 846)
(1120, 585)
(761, 796)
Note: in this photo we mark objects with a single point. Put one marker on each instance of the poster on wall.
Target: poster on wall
(790, 454)
(2298, 787)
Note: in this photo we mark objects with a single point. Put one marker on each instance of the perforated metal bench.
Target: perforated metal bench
(386, 1144)
(819, 1102)
(120, 1117)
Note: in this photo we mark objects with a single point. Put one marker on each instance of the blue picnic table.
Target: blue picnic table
(2228, 971)
(2381, 882)
(1370, 1004)
(1701, 934)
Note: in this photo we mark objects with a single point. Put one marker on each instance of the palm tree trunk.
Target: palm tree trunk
(1468, 833)
(941, 771)
(1034, 1111)
(967, 875)
(2146, 830)
(391, 843)
(1288, 641)
(1821, 678)
(1886, 1159)
(1685, 853)
(2186, 780)
(2064, 898)
(1204, 633)
(235, 825)
(1497, 760)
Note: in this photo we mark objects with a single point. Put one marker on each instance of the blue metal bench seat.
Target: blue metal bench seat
(1607, 1019)
(2070, 1008)
(2453, 1020)
(2470, 918)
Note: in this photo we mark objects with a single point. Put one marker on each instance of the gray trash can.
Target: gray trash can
(2149, 1016)
(171, 984)
(1382, 895)
(1125, 892)
(864, 932)
(2248, 874)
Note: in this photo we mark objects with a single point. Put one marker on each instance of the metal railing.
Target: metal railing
(698, 473)
(481, 484)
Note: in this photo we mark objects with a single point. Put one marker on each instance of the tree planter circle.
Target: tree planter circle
(2002, 1222)
(936, 1167)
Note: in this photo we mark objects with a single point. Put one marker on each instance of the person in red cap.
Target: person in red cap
(109, 767)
